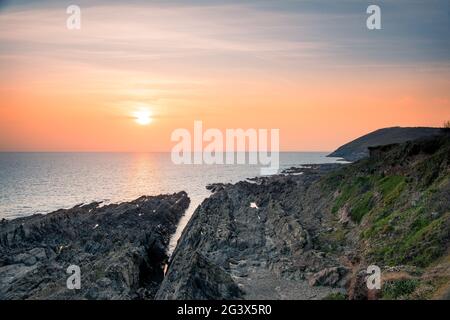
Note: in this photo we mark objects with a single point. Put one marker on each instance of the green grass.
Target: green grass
(346, 192)
(362, 207)
(335, 296)
(398, 289)
(402, 233)
(359, 193)
(424, 246)
(391, 187)
(351, 191)
(418, 244)
(397, 227)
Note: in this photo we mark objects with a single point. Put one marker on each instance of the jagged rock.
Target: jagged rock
(249, 248)
(328, 277)
(357, 286)
(215, 187)
(201, 280)
(120, 248)
(344, 216)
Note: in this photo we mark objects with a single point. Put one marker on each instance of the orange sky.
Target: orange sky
(64, 90)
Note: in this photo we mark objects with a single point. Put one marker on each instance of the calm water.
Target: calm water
(43, 182)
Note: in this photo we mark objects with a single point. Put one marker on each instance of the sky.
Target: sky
(309, 68)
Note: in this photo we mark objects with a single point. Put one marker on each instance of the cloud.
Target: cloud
(201, 40)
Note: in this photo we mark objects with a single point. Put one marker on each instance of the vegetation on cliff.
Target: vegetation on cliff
(395, 207)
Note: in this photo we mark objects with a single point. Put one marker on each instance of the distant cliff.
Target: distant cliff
(359, 148)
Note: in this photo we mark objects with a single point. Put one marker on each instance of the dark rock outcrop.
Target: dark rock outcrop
(252, 236)
(203, 280)
(120, 249)
(328, 277)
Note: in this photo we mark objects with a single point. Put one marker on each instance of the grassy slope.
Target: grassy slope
(398, 206)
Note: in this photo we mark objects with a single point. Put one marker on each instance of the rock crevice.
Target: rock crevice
(120, 249)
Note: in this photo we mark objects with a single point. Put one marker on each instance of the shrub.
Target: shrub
(399, 288)
(447, 124)
(335, 296)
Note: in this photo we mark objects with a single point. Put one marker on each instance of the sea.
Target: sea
(32, 183)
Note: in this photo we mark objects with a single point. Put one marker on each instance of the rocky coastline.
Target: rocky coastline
(250, 241)
(121, 250)
(307, 233)
(314, 232)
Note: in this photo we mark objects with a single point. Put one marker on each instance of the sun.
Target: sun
(143, 116)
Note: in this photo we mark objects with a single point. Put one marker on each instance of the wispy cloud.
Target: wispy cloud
(205, 32)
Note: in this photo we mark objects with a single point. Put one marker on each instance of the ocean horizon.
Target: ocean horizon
(42, 182)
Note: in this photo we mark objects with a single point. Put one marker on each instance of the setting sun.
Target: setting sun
(143, 117)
